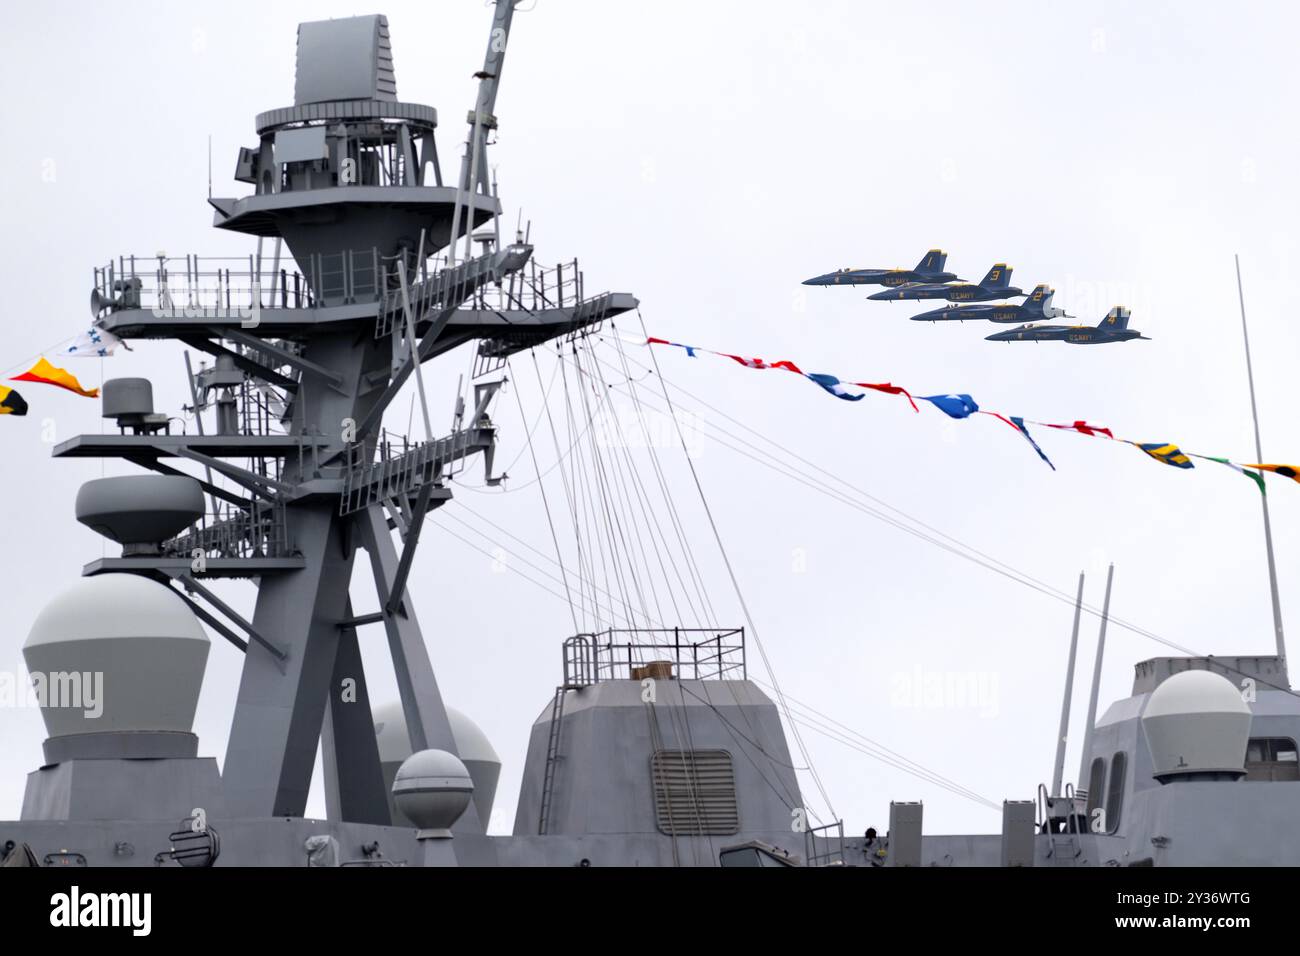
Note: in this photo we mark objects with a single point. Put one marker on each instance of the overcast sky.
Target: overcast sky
(708, 157)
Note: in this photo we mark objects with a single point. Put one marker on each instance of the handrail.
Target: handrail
(219, 284)
(718, 657)
(812, 857)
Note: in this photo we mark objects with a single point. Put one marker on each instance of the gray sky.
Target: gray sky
(708, 157)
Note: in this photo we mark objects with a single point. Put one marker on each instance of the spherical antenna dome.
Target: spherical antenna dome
(134, 640)
(433, 788)
(472, 746)
(1197, 725)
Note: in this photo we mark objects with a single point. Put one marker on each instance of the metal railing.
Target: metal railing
(585, 318)
(225, 286)
(833, 836)
(222, 286)
(402, 467)
(695, 653)
(261, 409)
(535, 289)
(531, 289)
(236, 534)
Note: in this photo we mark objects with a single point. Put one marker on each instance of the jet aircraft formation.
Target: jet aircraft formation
(930, 280)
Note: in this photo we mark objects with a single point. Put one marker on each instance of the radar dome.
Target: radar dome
(472, 745)
(132, 642)
(433, 788)
(139, 511)
(1197, 725)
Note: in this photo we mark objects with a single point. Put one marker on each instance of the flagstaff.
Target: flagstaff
(1259, 456)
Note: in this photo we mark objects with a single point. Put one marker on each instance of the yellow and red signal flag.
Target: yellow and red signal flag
(48, 374)
(11, 403)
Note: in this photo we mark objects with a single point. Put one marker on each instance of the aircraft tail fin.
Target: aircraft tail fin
(1116, 318)
(1039, 303)
(999, 277)
(933, 262)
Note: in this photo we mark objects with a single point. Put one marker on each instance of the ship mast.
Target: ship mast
(1263, 498)
(348, 178)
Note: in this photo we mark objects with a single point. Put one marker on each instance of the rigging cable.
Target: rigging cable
(735, 583)
(702, 616)
(616, 492)
(547, 505)
(564, 479)
(683, 541)
(794, 730)
(689, 555)
(862, 742)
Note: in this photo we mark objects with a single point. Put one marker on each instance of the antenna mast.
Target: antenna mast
(481, 120)
(1058, 769)
(1096, 683)
(1263, 498)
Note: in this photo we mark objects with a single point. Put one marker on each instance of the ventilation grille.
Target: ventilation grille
(695, 792)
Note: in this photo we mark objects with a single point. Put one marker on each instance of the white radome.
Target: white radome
(1196, 722)
(132, 637)
(472, 745)
(395, 746)
(433, 789)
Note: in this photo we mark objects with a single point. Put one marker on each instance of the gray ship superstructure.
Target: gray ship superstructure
(655, 747)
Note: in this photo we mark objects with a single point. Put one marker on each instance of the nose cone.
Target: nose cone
(829, 278)
(1000, 337)
(933, 315)
(882, 296)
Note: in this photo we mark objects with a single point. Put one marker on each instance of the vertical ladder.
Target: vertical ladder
(1063, 851)
(552, 757)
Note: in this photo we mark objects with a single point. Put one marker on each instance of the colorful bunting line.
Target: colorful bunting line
(830, 383)
(961, 405)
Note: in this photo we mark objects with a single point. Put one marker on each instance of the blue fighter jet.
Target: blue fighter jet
(929, 269)
(1113, 328)
(1037, 306)
(995, 285)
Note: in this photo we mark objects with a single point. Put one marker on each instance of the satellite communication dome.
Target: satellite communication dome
(1197, 725)
(137, 650)
(433, 789)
